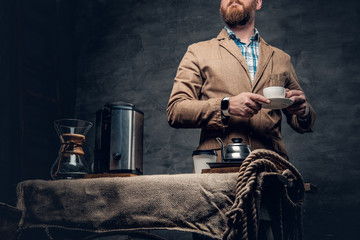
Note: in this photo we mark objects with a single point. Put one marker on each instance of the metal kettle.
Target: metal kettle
(236, 151)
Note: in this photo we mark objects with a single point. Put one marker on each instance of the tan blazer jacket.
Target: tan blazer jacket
(214, 69)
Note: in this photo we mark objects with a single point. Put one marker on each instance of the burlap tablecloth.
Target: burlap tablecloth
(222, 206)
(186, 202)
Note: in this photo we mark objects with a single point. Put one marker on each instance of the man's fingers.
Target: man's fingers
(291, 93)
(295, 108)
(253, 105)
(297, 101)
(258, 98)
(299, 110)
(246, 104)
(300, 106)
(251, 111)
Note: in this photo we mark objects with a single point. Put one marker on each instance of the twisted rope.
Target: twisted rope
(243, 215)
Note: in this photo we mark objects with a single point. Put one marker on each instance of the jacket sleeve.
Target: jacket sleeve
(186, 108)
(292, 120)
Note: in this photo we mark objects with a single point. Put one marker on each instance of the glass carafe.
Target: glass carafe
(71, 162)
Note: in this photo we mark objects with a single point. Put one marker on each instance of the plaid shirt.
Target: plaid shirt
(250, 51)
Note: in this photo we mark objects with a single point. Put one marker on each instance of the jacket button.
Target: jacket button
(271, 113)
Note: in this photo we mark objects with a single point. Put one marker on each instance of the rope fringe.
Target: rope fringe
(243, 216)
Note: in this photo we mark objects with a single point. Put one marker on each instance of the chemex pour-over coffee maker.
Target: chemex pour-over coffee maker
(71, 162)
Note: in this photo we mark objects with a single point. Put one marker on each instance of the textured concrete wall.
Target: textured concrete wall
(130, 50)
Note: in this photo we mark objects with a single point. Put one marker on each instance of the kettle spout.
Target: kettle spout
(222, 148)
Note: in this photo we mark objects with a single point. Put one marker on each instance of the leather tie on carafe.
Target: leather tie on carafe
(70, 144)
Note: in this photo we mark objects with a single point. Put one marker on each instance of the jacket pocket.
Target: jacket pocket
(270, 120)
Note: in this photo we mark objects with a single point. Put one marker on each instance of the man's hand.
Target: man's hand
(300, 107)
(246, 104)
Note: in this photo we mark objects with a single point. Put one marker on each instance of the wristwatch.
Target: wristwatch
(225, 106)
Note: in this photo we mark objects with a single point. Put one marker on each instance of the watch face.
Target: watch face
(225, 104)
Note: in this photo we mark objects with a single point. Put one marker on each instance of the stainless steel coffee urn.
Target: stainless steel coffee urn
(119, 139)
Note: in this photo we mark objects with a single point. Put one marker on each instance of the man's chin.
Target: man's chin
(234, 5)
(233, 9)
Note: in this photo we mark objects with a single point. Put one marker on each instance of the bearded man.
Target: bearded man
(219, 83)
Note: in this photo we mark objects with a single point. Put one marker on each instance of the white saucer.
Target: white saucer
(278, 103)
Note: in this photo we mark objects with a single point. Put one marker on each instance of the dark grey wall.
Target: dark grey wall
(130, 51)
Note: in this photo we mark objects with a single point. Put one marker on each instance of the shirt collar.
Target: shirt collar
(233, 36)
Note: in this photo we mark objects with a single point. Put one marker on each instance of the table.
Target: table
(185, 202)
(197, 203)
(218, 205)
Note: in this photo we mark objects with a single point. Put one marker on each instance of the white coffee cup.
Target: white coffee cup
(274, 92)
(201, 158)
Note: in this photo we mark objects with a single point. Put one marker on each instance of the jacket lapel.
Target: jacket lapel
(265, 54)
(231, 47)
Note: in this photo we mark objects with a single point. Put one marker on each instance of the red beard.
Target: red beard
(237, 15)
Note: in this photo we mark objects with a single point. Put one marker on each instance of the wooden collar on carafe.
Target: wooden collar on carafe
(72, 143)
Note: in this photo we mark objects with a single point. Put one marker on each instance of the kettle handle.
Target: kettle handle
(222, 147)
(236, 140)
